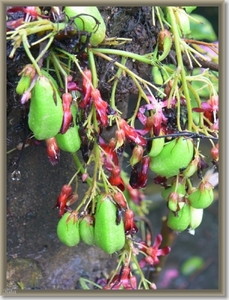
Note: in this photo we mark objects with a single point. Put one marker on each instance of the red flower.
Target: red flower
(123, 280)
(110, 156)
(135, 194)
(152, 252)
(143, 175)
(101, 107)
(120, 200)
(131, 133)
(87, 88)
(67, 118)
(65, 198)
(129, 225)
(115, 178)
(53, 151)
(61, 203)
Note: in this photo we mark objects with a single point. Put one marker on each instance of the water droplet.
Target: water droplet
(16, 175)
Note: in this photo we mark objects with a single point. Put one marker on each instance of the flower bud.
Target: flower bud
(120, 200)
(137, 155)
(215, 152)
(173, 200)
(28, 74)
(120, 137)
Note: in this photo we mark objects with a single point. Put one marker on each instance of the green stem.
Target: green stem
(117, 76)
(180, 65)
(93, 68)
(126, 54)
(140, 272)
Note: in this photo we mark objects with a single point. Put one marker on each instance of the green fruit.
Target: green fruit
(68, 232)
(179, 188)
(46, 112)
(156, 147)
(175, 155)
(87, 230)
(180, 220)
(70, 140)
(108, 235)
(203, 196)
(86, 22)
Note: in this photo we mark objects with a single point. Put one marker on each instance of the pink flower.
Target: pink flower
(152, 252)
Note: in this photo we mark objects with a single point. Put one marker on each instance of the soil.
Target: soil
(35, 256)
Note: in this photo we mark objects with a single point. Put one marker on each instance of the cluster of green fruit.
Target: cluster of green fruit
(46, 111)
(175, 158)
(101, 230)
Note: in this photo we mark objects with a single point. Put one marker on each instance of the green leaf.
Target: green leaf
(201, 29)
(189, 9)
(192, 265)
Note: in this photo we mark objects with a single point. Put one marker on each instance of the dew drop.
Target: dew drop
(16, 175)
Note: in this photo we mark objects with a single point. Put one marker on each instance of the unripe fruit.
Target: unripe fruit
(108, 235)
(179, 188)
(87, 230)
(196, 217)
(180, 220)
(192, 167)
(203, 196)
(70, 140)
(156, 147)
(45, 113)
(86, 22)
(68, 232)
(175, 155)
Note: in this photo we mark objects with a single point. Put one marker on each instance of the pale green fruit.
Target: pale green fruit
(196, 217)
(45, 112)
(70, 140)
(156, 147)
(108, 235)
(68, 232)
(87, 230)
